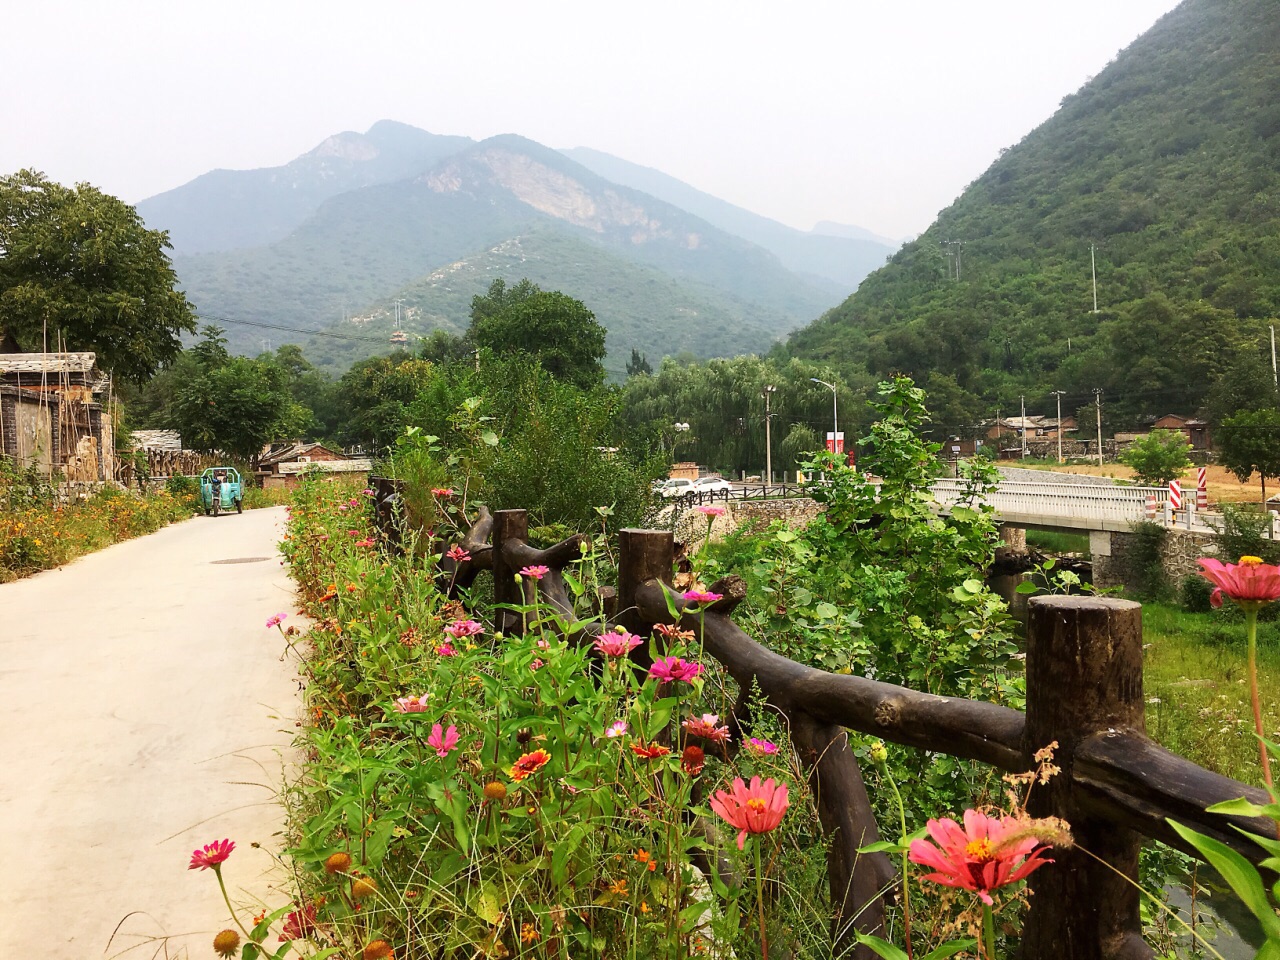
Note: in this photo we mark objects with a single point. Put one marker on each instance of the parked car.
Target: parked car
(674, 489)
(712, 485)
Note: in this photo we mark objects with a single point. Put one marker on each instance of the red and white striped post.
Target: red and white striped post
(1151, 506)
(1175, 496)
(1202, 489)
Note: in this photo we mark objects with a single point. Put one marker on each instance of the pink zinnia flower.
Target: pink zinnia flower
(536, 665)
(446, 650)
(298, 923)
(211, 855)
(757, 808)
(367, 542)
(761, 748)
(617, 729)
(276, 620)
(461, 629)
(342, 507)
(367, 492)
(1249, 582)
(457, 554)
(672, 669)
(441, 492)
(701, 596)
(353, 533)
(706, 727)
(617, 643)
(411, 704)
(537, 571)
(711, 511)
(987, 853)
(445, 741)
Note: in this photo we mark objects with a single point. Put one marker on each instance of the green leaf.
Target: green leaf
(1239, 874)
(1026, 586)
(489, 438)
(826, 611)
(948, 949)
(972, 586)
(881, 947)
(1241, 807)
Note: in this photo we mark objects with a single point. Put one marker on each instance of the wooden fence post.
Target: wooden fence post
(507, 525)
(643, 555)
(1084, 681)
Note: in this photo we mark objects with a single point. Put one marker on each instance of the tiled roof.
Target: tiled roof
(38, 363)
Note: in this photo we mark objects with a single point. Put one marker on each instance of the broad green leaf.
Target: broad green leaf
(948, 949)
(490, 438)
(1239, 874)
(1026, 586)
(1243, 808)
(882, 947)
(972, 586)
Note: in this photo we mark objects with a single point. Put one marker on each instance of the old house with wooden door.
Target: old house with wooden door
(52, 414)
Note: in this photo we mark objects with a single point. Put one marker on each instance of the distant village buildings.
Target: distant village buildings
(53, 417)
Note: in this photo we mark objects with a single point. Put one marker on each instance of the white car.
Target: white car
(674, 489)
(712, 485)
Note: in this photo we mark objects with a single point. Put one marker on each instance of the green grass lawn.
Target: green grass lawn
(1197, 692)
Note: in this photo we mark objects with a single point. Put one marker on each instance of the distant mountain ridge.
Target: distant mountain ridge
(840, 254)
(366, 216)
(233, 209)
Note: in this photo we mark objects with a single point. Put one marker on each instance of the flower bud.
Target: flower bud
(878, 753)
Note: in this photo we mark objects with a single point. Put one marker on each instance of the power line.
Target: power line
(277, 326)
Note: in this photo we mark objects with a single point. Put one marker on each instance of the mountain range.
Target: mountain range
(319, 250)
(1160, 178)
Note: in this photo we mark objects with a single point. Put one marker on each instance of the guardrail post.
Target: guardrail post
(507, 525)
(1084, 681)
(643, 555)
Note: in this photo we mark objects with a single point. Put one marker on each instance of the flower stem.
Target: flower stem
(988, 931)
(217, 872)
(906, 885)
(764, 937)
(1251, 623)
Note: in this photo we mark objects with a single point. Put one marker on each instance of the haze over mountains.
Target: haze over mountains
(399, 213)
(1167, 164)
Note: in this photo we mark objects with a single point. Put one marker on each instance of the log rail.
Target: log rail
(1084, 690)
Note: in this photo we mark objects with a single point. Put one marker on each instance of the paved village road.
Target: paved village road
(143, 712)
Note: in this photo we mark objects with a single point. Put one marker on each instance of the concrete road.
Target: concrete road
(143, 712)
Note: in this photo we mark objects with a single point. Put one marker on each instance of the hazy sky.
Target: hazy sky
(871, 113)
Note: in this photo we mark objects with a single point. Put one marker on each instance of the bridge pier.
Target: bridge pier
(1013, 545)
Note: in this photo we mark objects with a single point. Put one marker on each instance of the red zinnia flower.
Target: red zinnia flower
(705, 727)
(298, 923)
(1249, 582)
(529, 764)
(693, 760)
(671, 669)
(757, 808)
(457, 554)
(211, 855)
(986, 854)
(651, 752)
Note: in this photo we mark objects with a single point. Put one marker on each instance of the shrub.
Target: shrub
(1193, 593)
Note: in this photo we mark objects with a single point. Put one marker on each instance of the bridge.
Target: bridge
(1048, 505)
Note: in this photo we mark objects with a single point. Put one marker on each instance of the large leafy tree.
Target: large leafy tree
(552, 328)
(235, 404)
(1249, 442)
(78, 267)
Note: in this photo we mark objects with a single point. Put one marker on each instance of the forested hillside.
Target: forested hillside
(362, 247)
(1168, 164)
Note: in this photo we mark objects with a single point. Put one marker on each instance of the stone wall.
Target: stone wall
(1116, 555)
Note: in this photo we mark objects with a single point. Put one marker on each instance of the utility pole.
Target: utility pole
(1093, 268)
(397, 303)
(956, 252)
(1274, 376)
(1097, 401)
(1058, 394)
(768, 438)
(1023, 401)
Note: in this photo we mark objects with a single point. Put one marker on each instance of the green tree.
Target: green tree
(78, 266)
(235, 404)
(1249, 442)
(552, 328)
(1157, 458)
(376, 395)
(639, 364)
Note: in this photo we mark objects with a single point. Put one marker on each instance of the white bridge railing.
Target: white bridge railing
(1103, 503)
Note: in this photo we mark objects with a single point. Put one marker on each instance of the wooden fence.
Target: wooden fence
(1084, 690)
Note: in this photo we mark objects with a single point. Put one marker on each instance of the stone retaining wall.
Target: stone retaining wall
(1116, 555)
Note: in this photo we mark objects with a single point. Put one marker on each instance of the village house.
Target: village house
(282, 463)
(52, 415)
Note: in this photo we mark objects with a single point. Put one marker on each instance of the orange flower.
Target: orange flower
(338, 863)
(529, 764)
(651, 752)
(529, 933)
(378, 950)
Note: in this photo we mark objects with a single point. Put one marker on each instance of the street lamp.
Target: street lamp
(769, 391)
(679, 428)
(835, 414)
